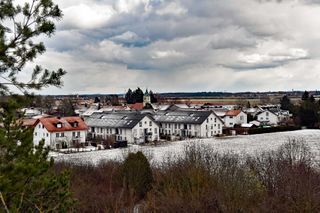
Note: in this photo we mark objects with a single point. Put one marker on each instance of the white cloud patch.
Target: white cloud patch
(186, 45)
(166, 54)
(172, 8)
(87, 16)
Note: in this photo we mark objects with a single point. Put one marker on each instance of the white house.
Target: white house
(233, 117)
(268, 117)
(60, 132)
(132, 127)
(182, 123)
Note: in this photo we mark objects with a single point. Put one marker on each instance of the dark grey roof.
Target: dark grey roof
(126, 120)
(187, 117)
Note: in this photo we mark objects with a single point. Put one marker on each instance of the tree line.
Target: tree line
(136, 96)
(307, 113)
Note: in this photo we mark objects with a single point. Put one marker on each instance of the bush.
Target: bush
(136, 174)
(252, 131)
(202, 180)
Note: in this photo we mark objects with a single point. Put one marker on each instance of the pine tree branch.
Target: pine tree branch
(4, 203)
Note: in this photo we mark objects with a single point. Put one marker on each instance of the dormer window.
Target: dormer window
(59, 125)
(75, 124)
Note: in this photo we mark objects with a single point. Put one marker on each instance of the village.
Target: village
(99, 126)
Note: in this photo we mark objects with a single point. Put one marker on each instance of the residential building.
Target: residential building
(183, 123)
(59, 132)
(234, 117)
(130, 126)
(268, 117)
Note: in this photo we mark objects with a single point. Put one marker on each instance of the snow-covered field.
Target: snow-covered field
(244, 144)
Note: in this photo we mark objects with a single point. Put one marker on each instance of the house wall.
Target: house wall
(39, 133)
(51, 139)
(178, 129)
(68, 137)
(211, 126)
(151, 127)
(241, 118)
(268, 117)
(134, 135)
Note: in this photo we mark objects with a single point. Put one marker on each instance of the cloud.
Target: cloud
(186, 45)
(129, 38)
(166, 54)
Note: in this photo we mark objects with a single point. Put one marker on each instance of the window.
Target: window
(211, 133)
(230, 117)
(59, 125)
(267, 113)
(62, 134)
(206, 126)
(211, 126)
(150, 123)
(57, 135)
(145, 122)
(207, 120)
(140, 124)
(73, 134)
(241, 118)
(155, 130)
(215, 119)
(35, 134)
(189, 126)
(47, 135)
(169, 125)
(78, 134)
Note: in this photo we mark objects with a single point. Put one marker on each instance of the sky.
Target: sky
(108, 46)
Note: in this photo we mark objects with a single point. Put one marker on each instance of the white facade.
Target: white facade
(57, 140)
(146, 130)
(211, 127)
(268, 118)
(231, 120)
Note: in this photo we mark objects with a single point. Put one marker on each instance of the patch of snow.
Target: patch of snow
(242, 144)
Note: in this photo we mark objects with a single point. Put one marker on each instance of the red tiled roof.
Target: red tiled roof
(233, 112)
(51, 124)
(29, 122)
(137, 106)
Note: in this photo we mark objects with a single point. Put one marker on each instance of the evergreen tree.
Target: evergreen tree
(129, 97)
(153, 97)
(20, 25)
(96, 99)
(285, 103)
(308, 111)
(27, 181)
(312, 99)
(136, 174)
(138, 95)
(305, 96)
